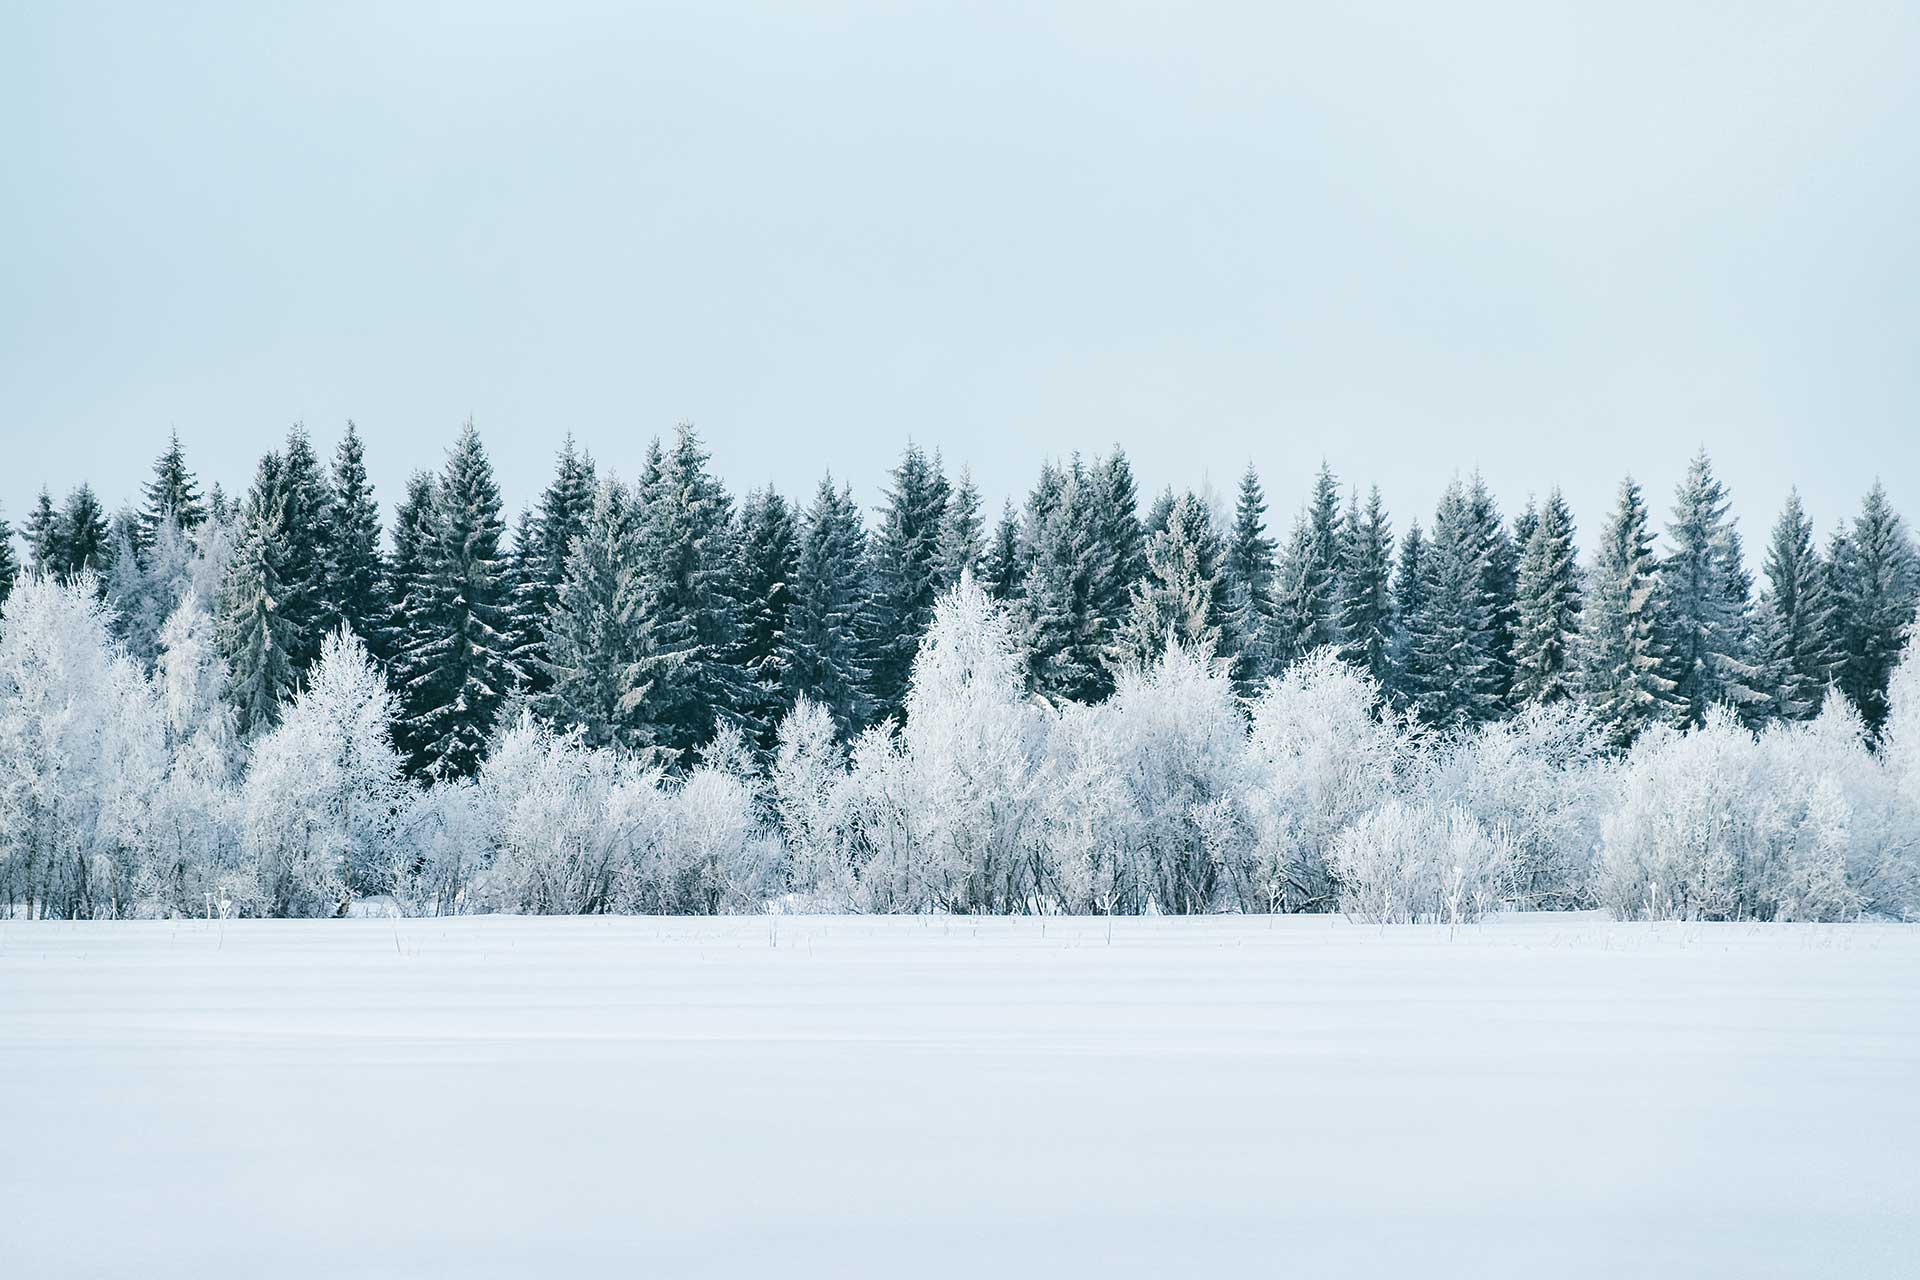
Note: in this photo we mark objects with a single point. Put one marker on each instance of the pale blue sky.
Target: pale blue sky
(1551, 242)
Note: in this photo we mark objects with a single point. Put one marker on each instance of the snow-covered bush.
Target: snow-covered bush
(1544, 781)
(82, 751)
(1321, 754)
(324, 789)
(1149, 802)
(810, 800)
(446, 838)
(1406, 863)
(554, 842)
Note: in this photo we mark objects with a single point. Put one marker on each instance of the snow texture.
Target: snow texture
(938, 1096)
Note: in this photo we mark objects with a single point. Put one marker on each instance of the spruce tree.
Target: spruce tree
(1876, 581)
(1796, 617)
(1000, 566)
(1452, 641)
(42, 532)
(174, 492)
(1305, 614)
(596, 629)
(353, 578)
(960, 533)
(690, 677)
(1124, 559)
(1181, 596)
(1366, 587)
(1067, 632)
(307, 532)
(255, 635)
(84, 540)
(1621, 669)
(1702, 626)
(768, 548)
(823, 651)
(455, 667)
(1547, 608)
(1497, 584)
(906, 574)
(1248, 579)
(1407, 673)
(541, 557)
(9, 561)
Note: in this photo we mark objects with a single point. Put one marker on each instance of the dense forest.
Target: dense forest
(650, 696)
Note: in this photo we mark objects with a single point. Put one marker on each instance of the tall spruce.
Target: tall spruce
(596, 629)
(255, 634)
(1407, 673)
(824, 649)
(961, 533)
(1306, 603)
(9, 561)
(542, 555)
(1795, 625)
(1365, 613)
(1452, 639)
(1701, 620)
(42, 532)
(84, 540)
(1876, 582)
(1249, 583)
(1622, 676)
(354, 589)
(1497, 584)
(455, 666)
(906, 573)
(768, 548)
(1068, 633)
(173, 492)
(306, 534)
(690, 676)
(1000, 565)
(1546, 625)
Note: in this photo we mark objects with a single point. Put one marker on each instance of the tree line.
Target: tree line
(647, 614)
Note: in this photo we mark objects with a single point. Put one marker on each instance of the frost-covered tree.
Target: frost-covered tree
(191, 843)
(809, 800)
(1001, 564)
(306, 536)
(1497, 585)
(172, 495)
(1547, 610)
(256, 636)
(324, 788)
(1323, 751)
(1407, 863)
(1701, 626)
(1066, 628)
(1366, 587)
(768, 548)
(1307, 584)
(1406, 665)
(596, 630)
(1621, 669)
(42, 533)
(9, 561)
(82, 540)
(1452, 639)
(1181, 595)
(824, 651)
(81, 752)
(961, 533)
(1876, 581)
(455, 666)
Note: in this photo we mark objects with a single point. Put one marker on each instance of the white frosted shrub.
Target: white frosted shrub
(1407, 863)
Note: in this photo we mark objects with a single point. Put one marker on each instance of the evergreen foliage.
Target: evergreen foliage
(1547, 607)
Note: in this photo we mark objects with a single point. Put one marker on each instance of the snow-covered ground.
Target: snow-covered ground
(1539, 1096)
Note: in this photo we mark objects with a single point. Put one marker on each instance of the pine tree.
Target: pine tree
(1181, 595)
(596, 629)
(1796, 617)
(42, 531)
(541, 557)
(1407, 668)
(1000, 566)
(824, 647)
(1366, 587)
(9, 561)
(174, 492)
(768, 548)
(1547, 607)
(1452, 641)
(1621, 668)
(354, 572)
(1876, 581)
(1068, 634)
(906, 575)
(690, 678)
(254, 632)
(1702, 628)
(1306, 600)
(960, 533)
(455, 667)
(1248, 579)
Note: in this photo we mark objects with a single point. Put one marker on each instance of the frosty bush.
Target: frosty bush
(1406, 863)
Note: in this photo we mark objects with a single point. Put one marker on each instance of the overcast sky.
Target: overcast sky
(1553, 243)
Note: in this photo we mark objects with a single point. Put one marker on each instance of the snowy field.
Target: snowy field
(1540, 1096)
